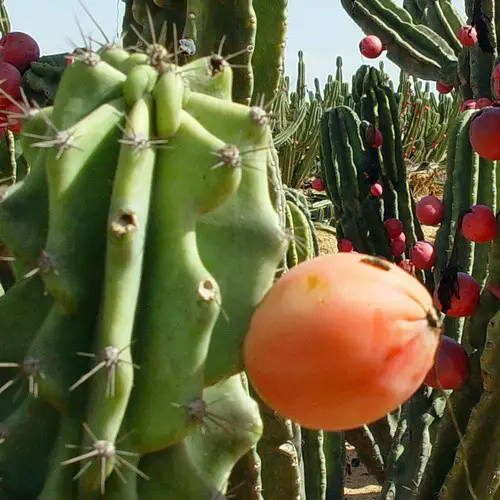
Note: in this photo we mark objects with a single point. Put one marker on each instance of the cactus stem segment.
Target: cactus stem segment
(111, 359)
(30, 369)
(103, 451)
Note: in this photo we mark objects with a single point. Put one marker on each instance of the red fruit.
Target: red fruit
(468, 297)
(371, 46)
(484, 133)
(393, 227)
(468, 104)
(377, 190)
(317, 184)
(304, 353)
(423, 255)
(479, 225)
(483, 102)
(467, 35)
(11, 83)
(442, 88)
(398, 246)
(19, 49)
(377, 139)
(430, 210)
(496, 88)
(451, 366)
(7, 120)
(496, 72)
(345, 245)
(407, 265)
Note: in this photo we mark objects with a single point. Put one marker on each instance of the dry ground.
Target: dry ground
(359, 485)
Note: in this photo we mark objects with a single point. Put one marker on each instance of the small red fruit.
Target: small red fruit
(480, 224)
(464, 303)
(11, 85)
(317, 184)
(8, 120)
(451, 366)
(345, 245)
(398, 246)
(407, 265)
(483, 102)
(423, 255)
(467, 35)
(19, 49)
(468, 104)
(371, 46)
(377, 190)
(442, 88)
(430, 210)
(484, 133)
(393, 227)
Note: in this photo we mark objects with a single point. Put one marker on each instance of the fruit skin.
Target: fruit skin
(407, 266)
(442, 88)
(483, 102)
(430, 210)
(479, 225)
(377, 190)
(484, 133)
(343, 380)
(371, 47)
(464, 305)
(19, 49)
(467, 35)
(398, 245)
(344, 245)
(468, 104)
(12, 83)
(317, 184)
(451, 366)
(423, 255)
(393, 227)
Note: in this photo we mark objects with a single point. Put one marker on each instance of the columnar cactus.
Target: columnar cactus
(440, 457)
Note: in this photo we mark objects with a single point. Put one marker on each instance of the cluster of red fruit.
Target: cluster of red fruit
(17, 51)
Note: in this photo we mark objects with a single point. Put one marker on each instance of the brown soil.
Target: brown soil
(359, 484)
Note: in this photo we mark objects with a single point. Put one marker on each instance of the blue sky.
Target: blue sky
(320, 28)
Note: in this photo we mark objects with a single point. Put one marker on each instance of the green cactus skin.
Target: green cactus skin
(268, 55)
(168, 96)
(22, 310)
(232, 426)
(198, 188)
(24, 207)
(75, 239)
(237, 22)
(141, 80)
(127, 226)
(177, 476)
(30, 431)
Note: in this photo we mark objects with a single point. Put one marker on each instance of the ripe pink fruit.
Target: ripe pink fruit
(496, 72)
(393, 227)
(371, 46)
(345, 245)
(468, 104)
(451, 366)
(377, 190)
(398, 246)
(430, 210)
(377, 139)
(484, 133)
(442, 88)
(465, 304)
(8, 120)
(479, 225)
(317, 184)
(407, 265)
(19, 49)
(483, 102)
(11, 83)
(423, 255)
(467, 35)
